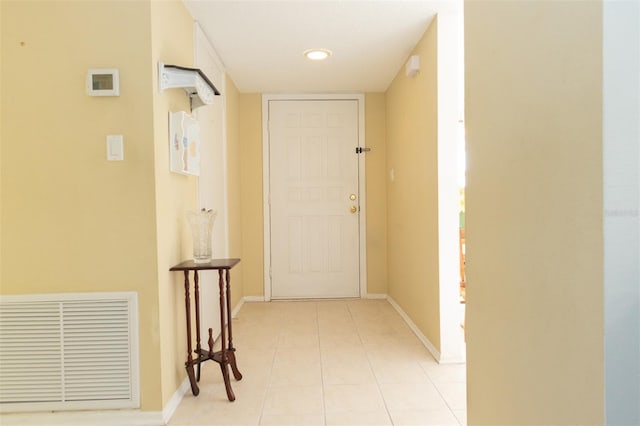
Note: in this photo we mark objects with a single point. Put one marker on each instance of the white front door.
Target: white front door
(314, 198)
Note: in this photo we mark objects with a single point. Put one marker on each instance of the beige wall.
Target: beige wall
(175, 194)
(250, 148)
(72, 221)
(534, 212)
(2, 137)
(234, 161)
(412, 197)
(376, 192)
(63, 203)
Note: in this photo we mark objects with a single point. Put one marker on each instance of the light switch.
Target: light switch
(115, 150)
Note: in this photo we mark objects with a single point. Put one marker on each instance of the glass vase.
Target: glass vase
(201, 229)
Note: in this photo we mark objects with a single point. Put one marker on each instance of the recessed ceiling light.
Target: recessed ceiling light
(317, 54)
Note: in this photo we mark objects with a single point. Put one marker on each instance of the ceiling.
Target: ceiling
(261, 43)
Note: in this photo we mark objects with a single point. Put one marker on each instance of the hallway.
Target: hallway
(347, 362)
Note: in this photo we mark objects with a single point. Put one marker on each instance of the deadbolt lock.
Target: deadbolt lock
(352, 197)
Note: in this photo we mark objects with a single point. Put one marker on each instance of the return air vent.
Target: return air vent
(68, 352)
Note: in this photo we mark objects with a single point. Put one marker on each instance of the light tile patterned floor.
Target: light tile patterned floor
(351, 362)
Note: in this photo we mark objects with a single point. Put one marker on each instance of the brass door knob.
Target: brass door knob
(353, 209)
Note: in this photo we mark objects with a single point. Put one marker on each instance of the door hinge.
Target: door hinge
(360, 150)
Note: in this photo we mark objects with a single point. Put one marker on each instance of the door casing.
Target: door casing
(266, 178)
(212, 182)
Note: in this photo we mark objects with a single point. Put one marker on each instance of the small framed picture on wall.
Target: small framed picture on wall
(184, 144)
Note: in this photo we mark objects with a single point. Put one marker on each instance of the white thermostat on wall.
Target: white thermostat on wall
(103, 82)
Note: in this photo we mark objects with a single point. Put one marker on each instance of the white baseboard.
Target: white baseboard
(375, 296)
(430, 346)
(235, 310)
(175, 400)
(84, 418)
(242, 301)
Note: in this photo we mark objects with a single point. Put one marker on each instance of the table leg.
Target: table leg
(189, 363)
(224, 361)
(197, 297)
(231, 354)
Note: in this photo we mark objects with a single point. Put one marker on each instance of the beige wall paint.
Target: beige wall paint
(376, 192)
(250, 149)
(2, 137)
(88, 224)
(64, 202)
(412, 197)
(234, 161)
(534, 212)
(172, 43)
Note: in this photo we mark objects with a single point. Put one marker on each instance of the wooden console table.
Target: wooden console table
(226, 356)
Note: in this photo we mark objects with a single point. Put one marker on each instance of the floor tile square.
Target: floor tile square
(346, 369)
(412, 396)
(294, 400)
(445, 373)
(454, 394)
(357, 398)
(398, 372)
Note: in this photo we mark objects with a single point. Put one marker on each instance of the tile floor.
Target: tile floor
(351, 362)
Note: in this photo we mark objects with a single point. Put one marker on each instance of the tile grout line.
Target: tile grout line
(267, 387)
(366, 354)
(324, 404)
(440, 393)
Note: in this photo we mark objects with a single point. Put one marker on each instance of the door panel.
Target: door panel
(313, 174)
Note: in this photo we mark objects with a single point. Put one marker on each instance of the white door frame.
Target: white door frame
(201, 41)
(208, 184)
(362, 227)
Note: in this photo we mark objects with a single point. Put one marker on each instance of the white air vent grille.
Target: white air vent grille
(70, 351)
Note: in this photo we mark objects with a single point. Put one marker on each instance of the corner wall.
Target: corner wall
(71, 220)
(534, 212)
(172, 42)
(376, 192)
(234, 191)
(412, 190)
(2, 136)
(250, 140)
